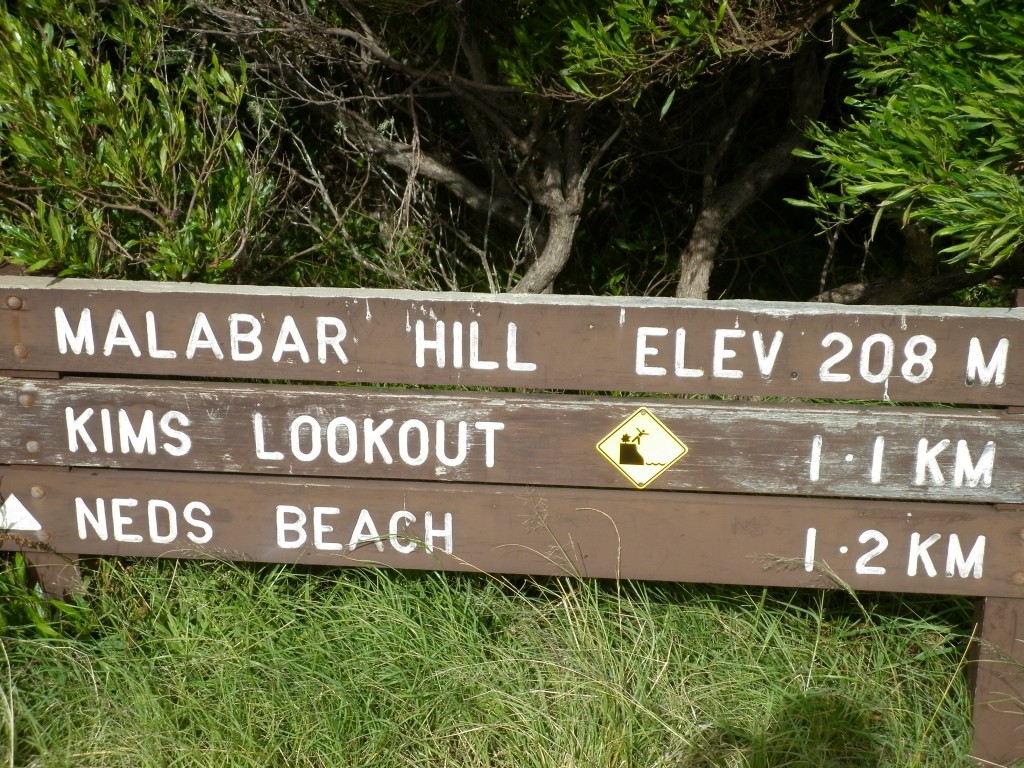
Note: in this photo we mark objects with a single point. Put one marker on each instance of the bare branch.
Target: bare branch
(726, 202)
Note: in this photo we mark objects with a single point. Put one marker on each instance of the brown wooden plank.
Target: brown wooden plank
(923, 454)
(998, 673)
(770, 541)
(943, 354)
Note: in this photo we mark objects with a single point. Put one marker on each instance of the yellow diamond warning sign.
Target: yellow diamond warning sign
(642, 448)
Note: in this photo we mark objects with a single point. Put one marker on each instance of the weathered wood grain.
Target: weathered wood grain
(998, 671)
(952, 355)
(715, 538)
(884, 452)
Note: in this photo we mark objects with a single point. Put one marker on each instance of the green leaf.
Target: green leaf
(667, 105)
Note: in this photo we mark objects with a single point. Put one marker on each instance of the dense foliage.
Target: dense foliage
(121, 152)
(632, 147)
(937, 138)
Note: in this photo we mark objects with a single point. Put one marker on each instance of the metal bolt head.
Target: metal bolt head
(26, 399)
(33, 446)
(14, 302)
(37, 491)
(20, 351)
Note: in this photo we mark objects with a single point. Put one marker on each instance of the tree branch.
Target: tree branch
(726, 202)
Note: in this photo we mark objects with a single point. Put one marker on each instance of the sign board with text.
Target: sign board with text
(908, 354)
(137, 419)
(970, 455)
(726, 539)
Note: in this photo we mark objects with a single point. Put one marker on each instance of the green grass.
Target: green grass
(214, 664)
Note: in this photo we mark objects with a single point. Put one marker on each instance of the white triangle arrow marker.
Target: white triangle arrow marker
(15, 517)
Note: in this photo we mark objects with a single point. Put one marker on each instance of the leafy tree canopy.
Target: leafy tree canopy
(937, 135)
(121, 155)
(628, 147)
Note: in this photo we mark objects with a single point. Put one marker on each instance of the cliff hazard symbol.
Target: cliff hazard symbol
(642, 448)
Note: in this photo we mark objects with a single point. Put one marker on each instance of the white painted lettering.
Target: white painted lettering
(170, 516)
(411, 440)
(289, 340)
(76, 341)
(107, 430)
(881, 544)
(161, 521)
(120, 335)
(423, 438)
(475, 363)
(970, 566)
(120, 521)
(290, 531)
(372, 439)
(511, 353)
(722, 353)
(987, 372)
(973, 473)
(320, 529)
(680, 358)
(919, 553)
(918, 360)
(463, 445)
(325, 340)
(192, 509)
(131, 440)
(815, 472)
(236, 337)
(643, 351)
(457, 345)
(259, 437)
(489, 428)
(152, 345)
(76, 429)
(845, 348)
(333, 429)
(401, 543)
(315, 438)
(888, 355)
(766, 359)
(876, 459)
(365, 531)
(141, 441)
(423, 344)
(431, 533)
(184, 442)
(96, 520)
(809, 545)
(927, 466)
(202, 337)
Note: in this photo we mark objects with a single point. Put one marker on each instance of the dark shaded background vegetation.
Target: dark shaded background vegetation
(858, 152)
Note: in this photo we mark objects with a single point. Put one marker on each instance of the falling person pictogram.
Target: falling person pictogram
(641, 448)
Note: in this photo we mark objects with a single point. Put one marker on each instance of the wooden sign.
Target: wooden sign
(876, 545)
(885, 452)
(868, 497)
(950, 355)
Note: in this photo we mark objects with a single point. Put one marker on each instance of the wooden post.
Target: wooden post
(57, 574)
(998, 680)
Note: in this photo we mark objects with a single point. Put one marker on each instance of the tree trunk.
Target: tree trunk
(698, 258)
(557, 249)
(722, 204)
